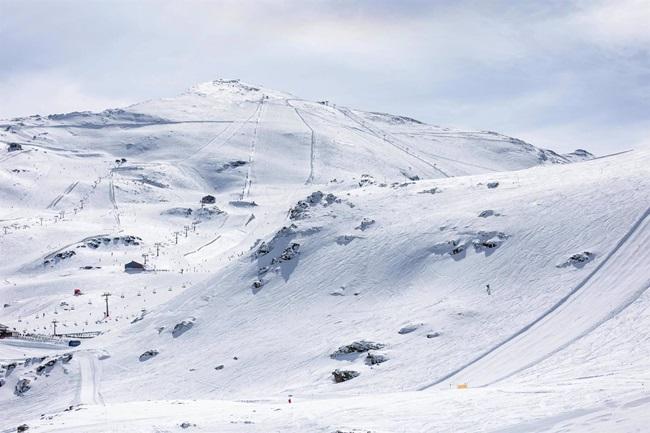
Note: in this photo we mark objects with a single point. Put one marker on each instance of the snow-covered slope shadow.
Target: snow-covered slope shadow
(611, 287)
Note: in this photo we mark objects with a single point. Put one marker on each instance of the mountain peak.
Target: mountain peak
(233, 86)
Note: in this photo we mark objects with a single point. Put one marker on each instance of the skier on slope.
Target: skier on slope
(487, 287)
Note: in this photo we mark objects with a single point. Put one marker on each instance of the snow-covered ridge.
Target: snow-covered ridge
(223, 88)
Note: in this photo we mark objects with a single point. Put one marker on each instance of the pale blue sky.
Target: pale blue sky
(558, 74)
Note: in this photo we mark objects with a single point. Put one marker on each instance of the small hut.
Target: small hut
(208, 199)
(5, 332)
(133, 266)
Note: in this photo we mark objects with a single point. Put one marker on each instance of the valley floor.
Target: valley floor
(569, 408)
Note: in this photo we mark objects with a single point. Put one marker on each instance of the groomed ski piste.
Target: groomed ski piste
(340, 244)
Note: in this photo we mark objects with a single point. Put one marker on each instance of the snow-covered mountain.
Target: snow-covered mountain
(383, 274)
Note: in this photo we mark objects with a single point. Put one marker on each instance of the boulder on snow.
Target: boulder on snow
(409, 328)
(263, 249)
(178, 211)
(361, 346)
(409, 175)
(242, 203)
(487, 213)
(346, 239)
(578, 260)
(365, 223)
(56, 258)
(9, 368)
(231, 165)
(22, 386)
(182, 327)
(485, 242)
(289, 252)
(375, 358)
(433, 190)
(344, 375)
(300, 210)
(148, 355)
(47, 367)
(66, 357)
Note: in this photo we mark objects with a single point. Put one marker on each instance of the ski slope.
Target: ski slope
(606, 292)
(330, 226)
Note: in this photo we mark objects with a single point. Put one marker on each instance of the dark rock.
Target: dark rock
(346, 239)
(357, 347)
(578, 260)
(263, 249)
(300, 210)
(231, 165)
(9, 368)
(140, 316)
(290, 251)
(56, 258)
(331, 198)
(47, 367)
(344, 375)
(148, 355)
(178, 211)
(365, 224)
(22, 386)
(459, 249)
(375, 358)
(182, 327)
(366, 179)
(581, 257)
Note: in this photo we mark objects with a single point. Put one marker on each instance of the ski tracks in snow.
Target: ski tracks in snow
(239, 125)
(58, 198)
(90, 378)
(111, 196)
(246, 190)
(14, 154)
(385, 137)
(312, 153)
(607, 291)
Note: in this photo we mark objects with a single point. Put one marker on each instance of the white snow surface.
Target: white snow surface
(244, 301)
